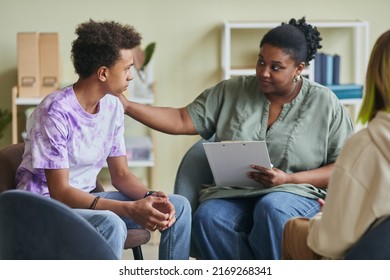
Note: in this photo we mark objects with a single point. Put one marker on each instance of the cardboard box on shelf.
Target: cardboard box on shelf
(28, 64)
(38, 63)
(49, 63)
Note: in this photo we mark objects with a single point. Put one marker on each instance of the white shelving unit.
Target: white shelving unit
(360, 50)
(361, 43)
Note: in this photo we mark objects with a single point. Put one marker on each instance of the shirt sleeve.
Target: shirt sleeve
(341, 128)
(118, 143)
(205, 109)
(49, 142)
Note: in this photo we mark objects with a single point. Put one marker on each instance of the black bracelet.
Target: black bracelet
(149, 193)
(94, 202)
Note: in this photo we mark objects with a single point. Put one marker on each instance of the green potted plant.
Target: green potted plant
(142, 85)
(5, 118)
(142, 57)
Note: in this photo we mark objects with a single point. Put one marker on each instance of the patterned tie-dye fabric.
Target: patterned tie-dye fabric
(61, 134)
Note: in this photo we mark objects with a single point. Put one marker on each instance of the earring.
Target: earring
(297, 78)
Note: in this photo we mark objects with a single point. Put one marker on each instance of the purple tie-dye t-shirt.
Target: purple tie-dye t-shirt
(61, 134)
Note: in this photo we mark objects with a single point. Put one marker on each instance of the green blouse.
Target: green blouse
(309, 132)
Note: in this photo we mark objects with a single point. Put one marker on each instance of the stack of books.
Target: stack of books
(327, 73)
(327, 69)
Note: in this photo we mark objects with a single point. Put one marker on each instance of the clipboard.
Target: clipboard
(230, 161)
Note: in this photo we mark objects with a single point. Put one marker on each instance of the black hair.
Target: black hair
(99, 44)
(297, 38)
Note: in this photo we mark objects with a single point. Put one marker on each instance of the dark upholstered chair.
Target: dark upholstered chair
(10, 159)
(194, 170)
(374, 244)
(34, 227)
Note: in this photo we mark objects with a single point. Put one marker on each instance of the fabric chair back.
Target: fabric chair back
(34, 227)
(194, 171)
(10, 159)
(373, 245)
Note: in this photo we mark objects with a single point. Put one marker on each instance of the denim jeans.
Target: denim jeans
(174, 241)
(247, 228)
(109, 225)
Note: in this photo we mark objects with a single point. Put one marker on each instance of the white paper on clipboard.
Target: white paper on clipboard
(230, 161)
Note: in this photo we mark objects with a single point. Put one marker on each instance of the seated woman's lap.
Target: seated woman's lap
(220, 227)
(254, 224)
(271, 213)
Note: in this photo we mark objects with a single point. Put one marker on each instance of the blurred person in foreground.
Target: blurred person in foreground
(358, 192)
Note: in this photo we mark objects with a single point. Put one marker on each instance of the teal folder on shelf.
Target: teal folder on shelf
(347, 91)
(329, 70)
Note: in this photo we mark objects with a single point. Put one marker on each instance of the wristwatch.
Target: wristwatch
(149, 193)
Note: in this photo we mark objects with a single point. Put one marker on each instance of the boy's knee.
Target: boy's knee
(115, 224)
(182, 205)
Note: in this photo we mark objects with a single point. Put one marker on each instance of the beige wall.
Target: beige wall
(188, 36)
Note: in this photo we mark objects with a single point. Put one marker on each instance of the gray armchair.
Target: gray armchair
(10, 159)
(193, 171)
(373, 245)
(34, 227)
